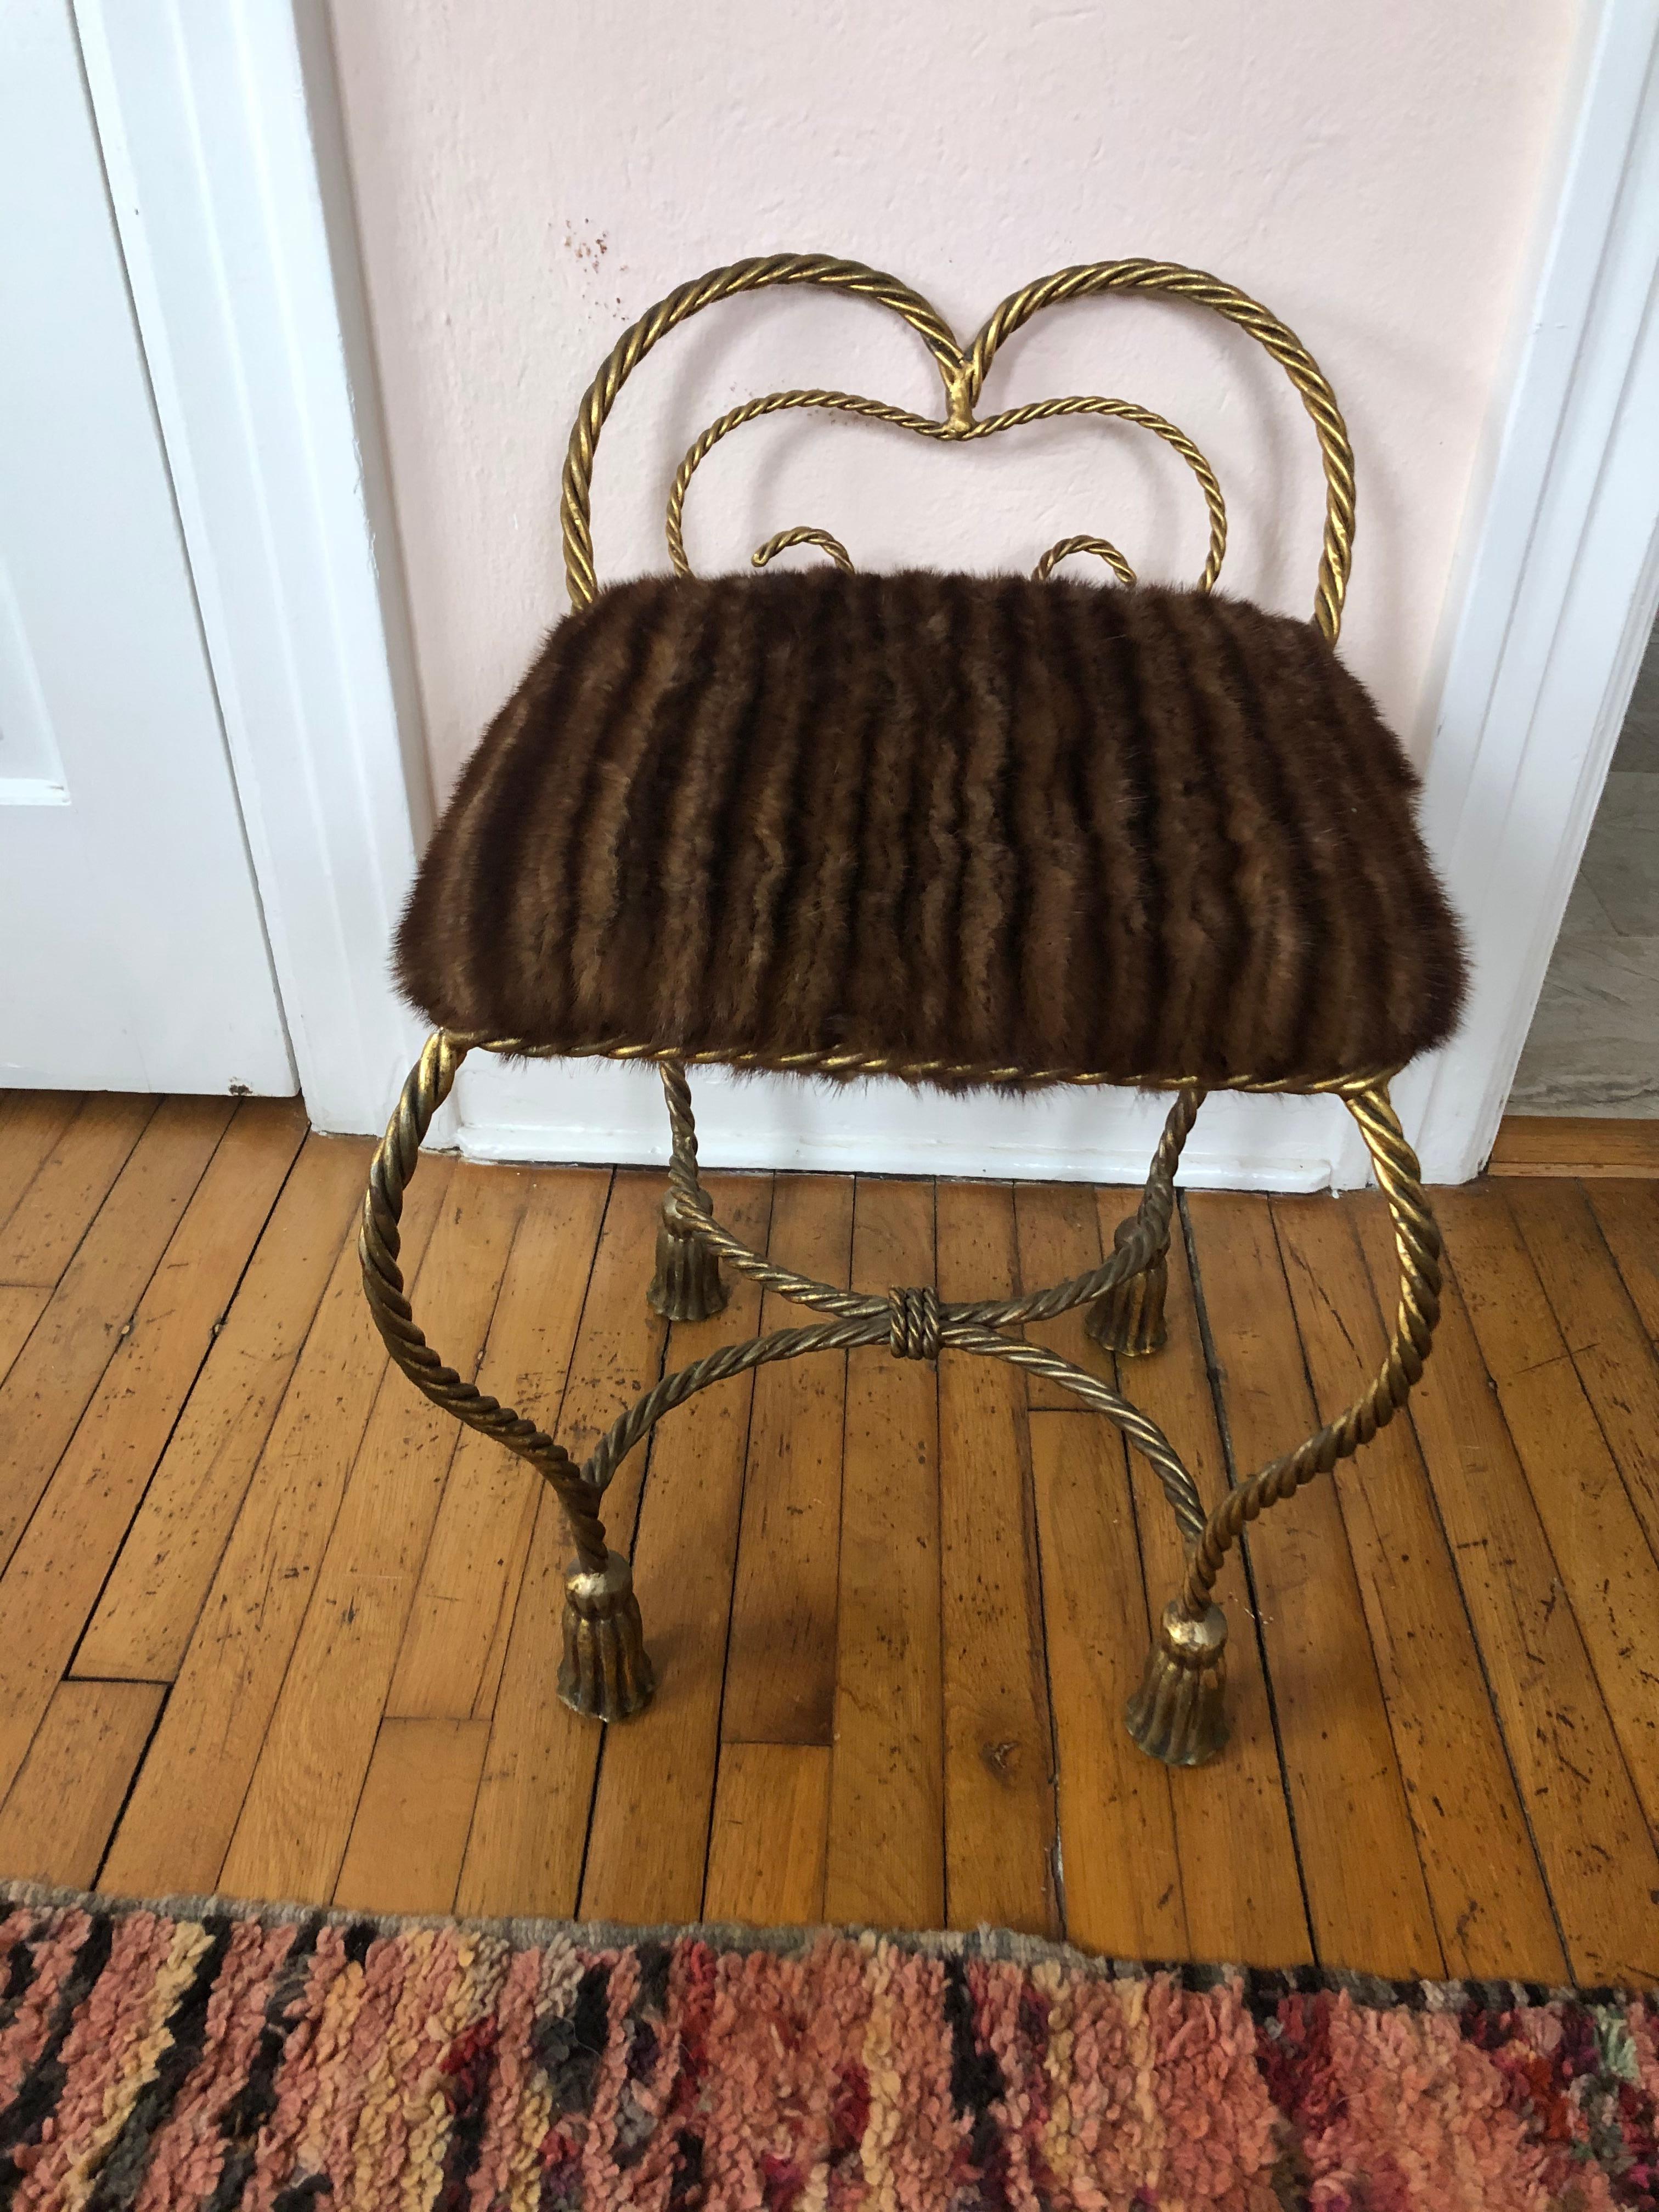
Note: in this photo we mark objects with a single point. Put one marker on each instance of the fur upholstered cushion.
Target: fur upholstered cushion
(948, 822)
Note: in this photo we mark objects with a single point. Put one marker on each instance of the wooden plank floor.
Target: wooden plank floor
(270, 1623)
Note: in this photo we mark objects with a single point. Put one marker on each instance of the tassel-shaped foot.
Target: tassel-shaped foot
(687, 1283)
(604, 1673)
(1129, 1317)
(1179, 1714)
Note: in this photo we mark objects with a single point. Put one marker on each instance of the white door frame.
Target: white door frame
(224, 148)
(1556, 597)
(224, 154)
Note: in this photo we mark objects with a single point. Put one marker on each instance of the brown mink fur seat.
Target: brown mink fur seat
(943, 827)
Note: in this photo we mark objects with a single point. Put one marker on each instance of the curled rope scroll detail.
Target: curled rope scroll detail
(1013, 418)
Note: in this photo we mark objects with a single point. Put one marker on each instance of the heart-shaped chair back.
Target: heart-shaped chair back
(963, 374)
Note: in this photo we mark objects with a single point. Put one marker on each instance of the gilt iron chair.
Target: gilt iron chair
(1152, 730)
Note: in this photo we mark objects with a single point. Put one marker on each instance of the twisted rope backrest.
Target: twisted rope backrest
(963, 374)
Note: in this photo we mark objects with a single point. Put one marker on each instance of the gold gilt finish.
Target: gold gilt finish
(963, 375)
(1177, 1714)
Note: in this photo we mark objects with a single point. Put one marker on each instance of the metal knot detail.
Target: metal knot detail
(913, 1328)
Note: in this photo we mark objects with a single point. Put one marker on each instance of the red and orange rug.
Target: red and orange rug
(209, 2055)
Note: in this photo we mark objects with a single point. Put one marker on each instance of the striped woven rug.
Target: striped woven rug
(210, 2055)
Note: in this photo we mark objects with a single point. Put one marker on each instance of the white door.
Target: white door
(132, 951)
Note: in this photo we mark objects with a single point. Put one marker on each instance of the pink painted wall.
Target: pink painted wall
(530, 177)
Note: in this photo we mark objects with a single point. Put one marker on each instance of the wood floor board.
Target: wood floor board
(291, 1834)
(1593, 1842)
(54, 1377)
(767, 1837)
(529, 1826)
(60, 1195)
(54, 1576)
(21, 1305)
(1627, 1214)
(1240, 1878)
(619, 1355)
(272, 1624)
(648, 1847)
(781, 1665)
(529, 1829)
(1616, 1364)
(56, 1821)
(148, 1607)
(1057, 1232)
(1609, 1574)
(474, 1561)
(886, 1838)
(184, 1809)
(1574, 1145)
(1122, 1869)
(408, 1831)
(1490, 1905)
(999, 1823)
(1366, 1891)
(32, 1123)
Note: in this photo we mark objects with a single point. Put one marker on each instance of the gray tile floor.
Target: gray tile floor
(1594, 1044)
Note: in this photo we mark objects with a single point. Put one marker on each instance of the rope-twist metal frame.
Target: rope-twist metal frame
(963, 375)
(1178, 1713)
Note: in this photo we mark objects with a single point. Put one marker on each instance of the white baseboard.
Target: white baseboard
(606, 1113)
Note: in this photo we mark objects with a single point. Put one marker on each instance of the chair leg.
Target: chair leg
(605, 1673)
(687, 1284)
(1128, 1319)
(1178, 1712)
